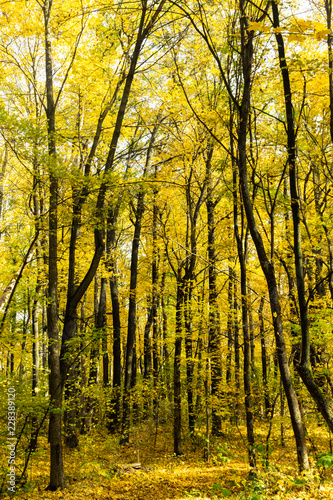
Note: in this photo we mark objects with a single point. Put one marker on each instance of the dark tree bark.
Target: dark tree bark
(25, 323)
(35, 367)
(9, 292)
(130, 363)
(266, 264)
(59, 364)
(230, 325)
(214, 333)
(114, 411)
(304, 367)
(83, 370)
(70, 421)
(243, 105)
(165, 350)
(40, 253)
(193, 210)
(236, 348)
(155, 302)
(264, 358)
(93, 377)
(102, 326)
(57, 479)
(185, 276)
(251, 330)
(177, 411)
(75, 293)
(241, 241)
(189, 353)
(147, 346)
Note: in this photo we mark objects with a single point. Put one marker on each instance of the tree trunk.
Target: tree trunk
(267, 266)
(177, 411)
(114, 411)
(189, 355)
(102, 326)
(241, 240)
(130, 363)
(236, 347)
(57, 479)
(83, 372)
(165, 353)
(35, 368)
(155, 304)
(147, 346)
(304, 367)
(264, 358)
(214, 341)
(230, 325)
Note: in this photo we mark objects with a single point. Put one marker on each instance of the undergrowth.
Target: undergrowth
(91, 470)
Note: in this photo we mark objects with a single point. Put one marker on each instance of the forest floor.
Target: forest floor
(96, 470)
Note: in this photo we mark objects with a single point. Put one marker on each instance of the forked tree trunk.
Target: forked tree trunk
(304, 367)
(266, 264)
(130, 364)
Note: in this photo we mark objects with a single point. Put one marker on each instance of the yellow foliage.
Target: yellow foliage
(322, 34)
(295, 37)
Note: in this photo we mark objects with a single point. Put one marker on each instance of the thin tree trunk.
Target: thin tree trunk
(165, 354)
(214, 341)
(147, 346)
(241, 237)
(189, 355)
(83, 371)
(102, 326)
(113, 414)
(130, 364)
(230, 325)
(236, 347)
(35, 367)
(264, 358)
(177, 422)
(155, 304)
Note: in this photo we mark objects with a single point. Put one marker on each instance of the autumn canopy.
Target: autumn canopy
(166, 231)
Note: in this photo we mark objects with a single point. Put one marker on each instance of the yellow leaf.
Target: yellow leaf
(255, 26)
(294, 37)
(322, 35)
(265, 29)
(304, 24)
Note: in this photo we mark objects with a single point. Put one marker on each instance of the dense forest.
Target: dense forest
(166, 238)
